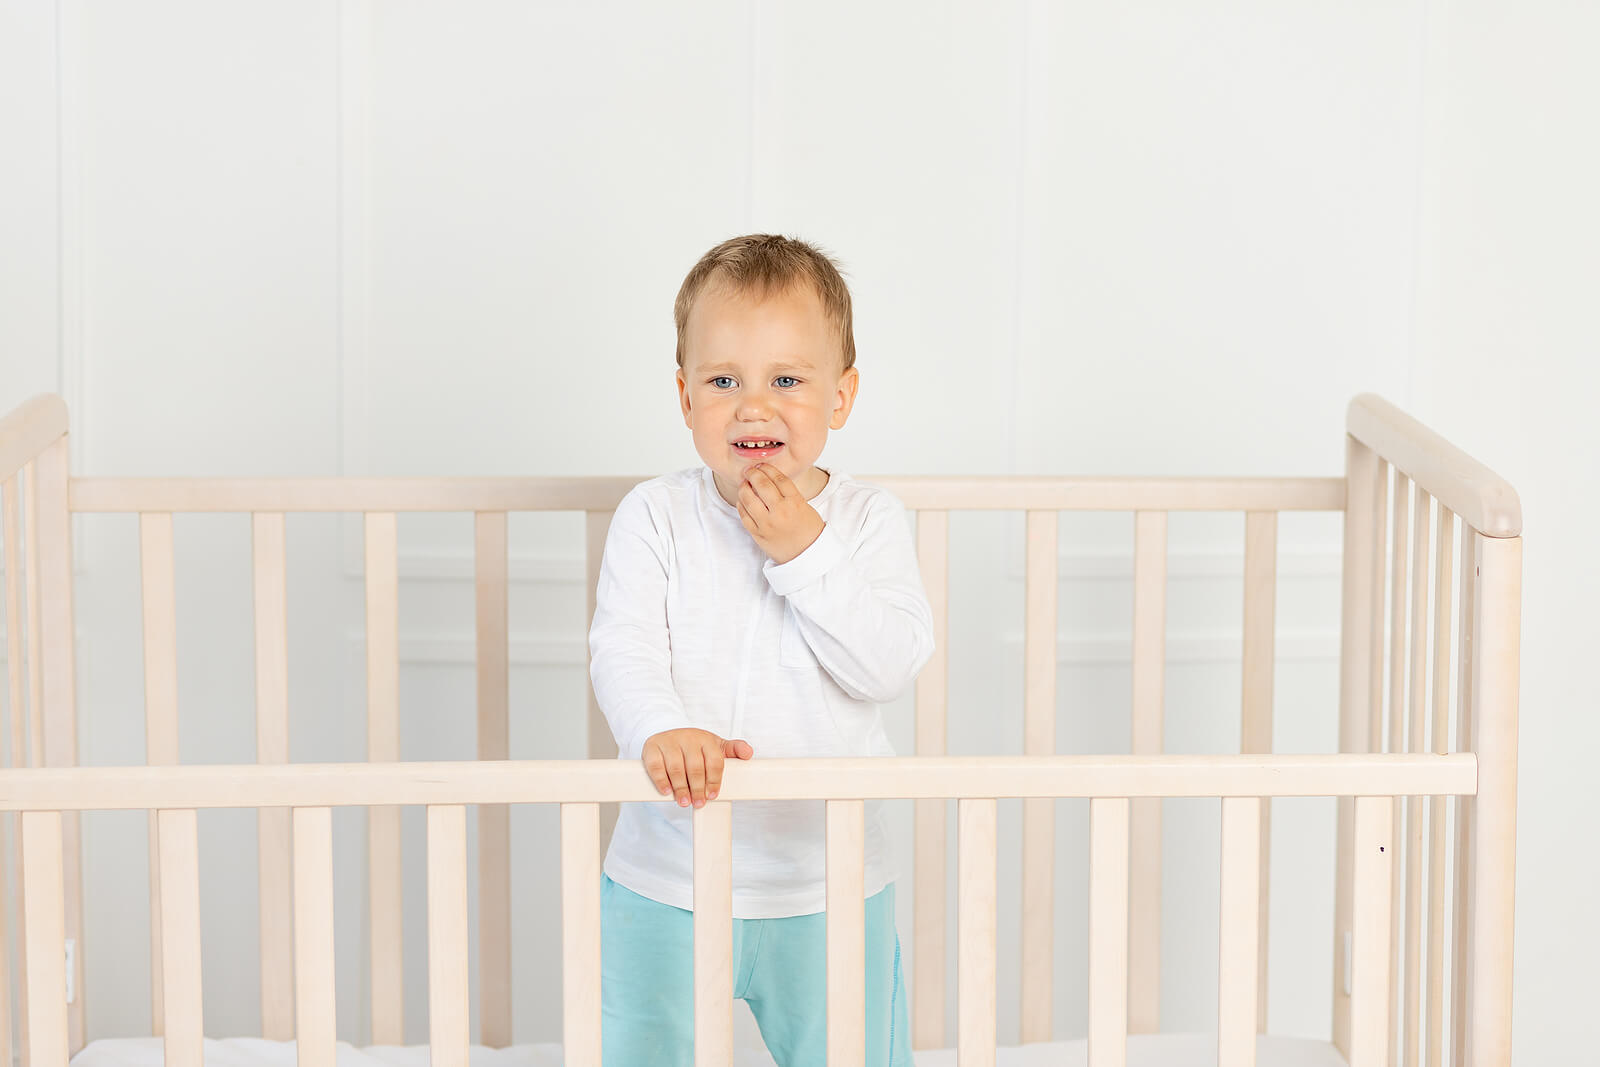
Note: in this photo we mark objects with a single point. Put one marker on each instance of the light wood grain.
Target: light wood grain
(1109, 824)
(601, 745)
(713, 934)
(1255, 733)
(1416, 741)
(1496, 677)
(43, 934)
(29, 429)
(1239, 927)
(1149, 689)
(580, 932)
(183, 1031)
(316, 1034)
(1464, 485)
(158, 596)
(1398, 618)
(1370, 1044)
(1465, 875)
(494, 743)
(1037, 990)
(384, 878)
(449, 1035)
(846, 934)
(984, 492)
(975, 953)
(929, 902)
(1360, 620)
(1438, 806)
(58, 704)
(16, 722)
(856, 778)
(274, 840)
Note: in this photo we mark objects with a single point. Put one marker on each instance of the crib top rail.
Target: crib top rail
(600, 781)
(30, 429)
(1483, 499)
(604, 492)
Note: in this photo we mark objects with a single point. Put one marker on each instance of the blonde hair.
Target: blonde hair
(763, 263)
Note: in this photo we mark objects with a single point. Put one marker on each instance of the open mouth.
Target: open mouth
(757, 446)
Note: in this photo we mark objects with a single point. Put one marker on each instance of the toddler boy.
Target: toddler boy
(756, 606)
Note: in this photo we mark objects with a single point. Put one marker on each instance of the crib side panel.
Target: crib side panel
(1450, 917)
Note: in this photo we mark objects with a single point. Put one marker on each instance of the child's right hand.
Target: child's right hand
(688, 763)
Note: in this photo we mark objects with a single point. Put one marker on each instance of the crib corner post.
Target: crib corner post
(1497, 627)
(1363, 473)
(57, 636)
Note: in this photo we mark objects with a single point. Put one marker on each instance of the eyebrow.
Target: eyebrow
(775, 366)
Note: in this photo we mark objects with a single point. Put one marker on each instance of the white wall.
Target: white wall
(418, 238)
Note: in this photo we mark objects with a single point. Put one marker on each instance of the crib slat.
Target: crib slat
(975, 958)
(1437, 806)
(15, 669)
(180, 938)
(1240, 925)
(1416, 739)
(448, 1004)
(932, 689)
(580, 932)
(1109, 824)
(157, 590)
(1039, 814)
(5, 926)
(601, 744)
(316, 1035)
(383, 745)
(273, 847)
(58, 734)
(1460, 978)
(494, 820)
(44, 933)
(1358, 620)
(846, 924)
(1260, 614)
(31, 658)
(1497, 633)
(11, 536)
(18, 668)
(1370, 993)
(1401, 519)
(713, 934)
(1149, 680)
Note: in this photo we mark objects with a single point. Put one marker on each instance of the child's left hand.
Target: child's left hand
(782, 521)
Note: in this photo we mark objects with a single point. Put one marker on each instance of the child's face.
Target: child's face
(765, 368)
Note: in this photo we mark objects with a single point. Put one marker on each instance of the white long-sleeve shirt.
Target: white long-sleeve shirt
(695, 626)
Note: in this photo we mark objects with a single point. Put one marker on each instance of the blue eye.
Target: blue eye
(786, 378)
(722, 378)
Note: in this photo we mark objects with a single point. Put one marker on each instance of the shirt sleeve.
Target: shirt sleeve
(861, 607)
(630, 656)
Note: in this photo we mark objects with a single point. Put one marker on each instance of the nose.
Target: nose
(754, 404)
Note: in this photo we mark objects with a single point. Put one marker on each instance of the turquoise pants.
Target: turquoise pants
(779, 970)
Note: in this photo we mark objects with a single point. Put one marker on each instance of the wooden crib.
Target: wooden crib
(1395, 757)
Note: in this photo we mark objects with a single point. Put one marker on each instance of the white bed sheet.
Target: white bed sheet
(1149, 1050)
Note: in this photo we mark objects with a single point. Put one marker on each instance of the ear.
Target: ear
(845, 398)
(683, 397)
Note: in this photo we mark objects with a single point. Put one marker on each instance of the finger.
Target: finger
(678, 775)
(697, 776)
(761, 483)
(713, 771)
(780, 481)
(656, 766)
(737, 749)
(753, 501)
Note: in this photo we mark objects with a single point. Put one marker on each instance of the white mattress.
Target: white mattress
(1151, 1050)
